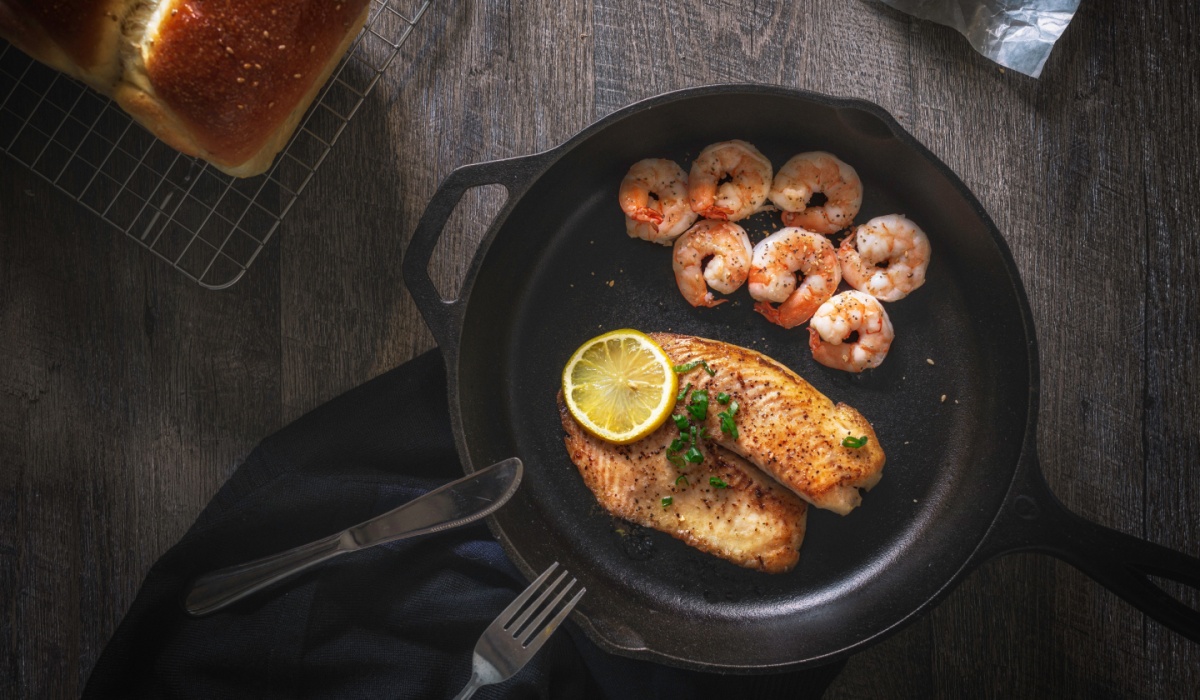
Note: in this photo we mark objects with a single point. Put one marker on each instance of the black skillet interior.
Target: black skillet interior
(950, 405)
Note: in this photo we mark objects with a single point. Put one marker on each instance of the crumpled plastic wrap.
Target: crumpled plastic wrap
(1017, 34)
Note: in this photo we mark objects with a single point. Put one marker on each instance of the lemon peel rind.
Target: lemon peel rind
(660, 412)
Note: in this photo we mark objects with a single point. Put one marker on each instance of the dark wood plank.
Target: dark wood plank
(346, 315)
(1041, 181)
(127, 394)
(1049, 160)
(1170, 158)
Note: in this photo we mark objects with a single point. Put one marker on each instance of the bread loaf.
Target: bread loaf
(225, 80)
(78, 37)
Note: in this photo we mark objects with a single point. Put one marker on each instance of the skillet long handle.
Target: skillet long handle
(1033, 519)
(444, 316)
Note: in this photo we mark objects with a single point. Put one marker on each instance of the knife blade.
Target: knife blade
(456, 504)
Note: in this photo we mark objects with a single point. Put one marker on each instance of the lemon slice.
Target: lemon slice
(620, 386)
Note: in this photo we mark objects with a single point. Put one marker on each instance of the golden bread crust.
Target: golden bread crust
(155, 116)
(224, 80)
(77, 37)
(237, 76)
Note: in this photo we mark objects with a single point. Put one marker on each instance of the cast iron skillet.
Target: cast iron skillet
(962, 482)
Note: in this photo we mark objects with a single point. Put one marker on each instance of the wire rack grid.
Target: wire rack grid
(208, 225)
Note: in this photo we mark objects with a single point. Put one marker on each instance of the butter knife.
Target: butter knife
(455, 504)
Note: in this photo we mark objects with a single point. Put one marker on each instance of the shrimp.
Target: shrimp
(729, 181)
(807, 174)
(654, 197)
(726, 248)
(772, 275)
(842, 317)
(893, 240)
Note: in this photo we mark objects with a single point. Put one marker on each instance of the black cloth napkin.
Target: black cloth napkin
(396, 621)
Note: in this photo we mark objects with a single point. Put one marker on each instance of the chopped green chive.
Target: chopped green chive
(727, 425)
(722, 397)
(684, 479)
(690, 434)
(853, 442)
(682, 395)
(689, 366)
(716, 482)
(699, 405)
(666, 501)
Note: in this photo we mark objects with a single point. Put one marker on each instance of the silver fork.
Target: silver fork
(512, 639)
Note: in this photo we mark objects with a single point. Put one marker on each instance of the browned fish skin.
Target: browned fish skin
(753, 522)
(785, 426)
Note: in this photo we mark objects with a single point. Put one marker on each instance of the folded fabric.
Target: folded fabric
(396, 621)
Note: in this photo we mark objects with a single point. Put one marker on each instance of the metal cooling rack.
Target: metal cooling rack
(208, 225)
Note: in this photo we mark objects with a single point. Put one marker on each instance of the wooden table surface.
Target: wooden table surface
(128, 394)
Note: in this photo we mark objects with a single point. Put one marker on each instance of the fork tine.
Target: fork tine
(516, 605)
(536, 624)
(500, 651)
(516, 626)
(540, 638)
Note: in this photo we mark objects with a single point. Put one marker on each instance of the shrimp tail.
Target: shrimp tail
(814, 340)
(648, 215)
(782, 315)
(710, 301)
(769, 312)
(715, 212)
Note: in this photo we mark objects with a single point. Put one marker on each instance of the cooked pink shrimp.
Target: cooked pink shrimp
(654, 197)
(892, 240)
(729, 181)
(807, 174)
(773, 269)
(726, 248)
(832, 329)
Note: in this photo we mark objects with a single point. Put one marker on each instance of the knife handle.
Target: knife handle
(214, 591)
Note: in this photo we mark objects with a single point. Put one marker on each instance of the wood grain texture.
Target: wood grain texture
(127, 394)
(1170, 158)
(1046, 183)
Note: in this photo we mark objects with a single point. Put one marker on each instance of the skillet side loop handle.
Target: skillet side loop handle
(444, 316)
(1033, 519)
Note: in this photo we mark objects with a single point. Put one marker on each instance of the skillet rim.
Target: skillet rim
(540, 163)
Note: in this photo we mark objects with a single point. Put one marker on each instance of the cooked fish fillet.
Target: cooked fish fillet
(753, 522)
(785, 426)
